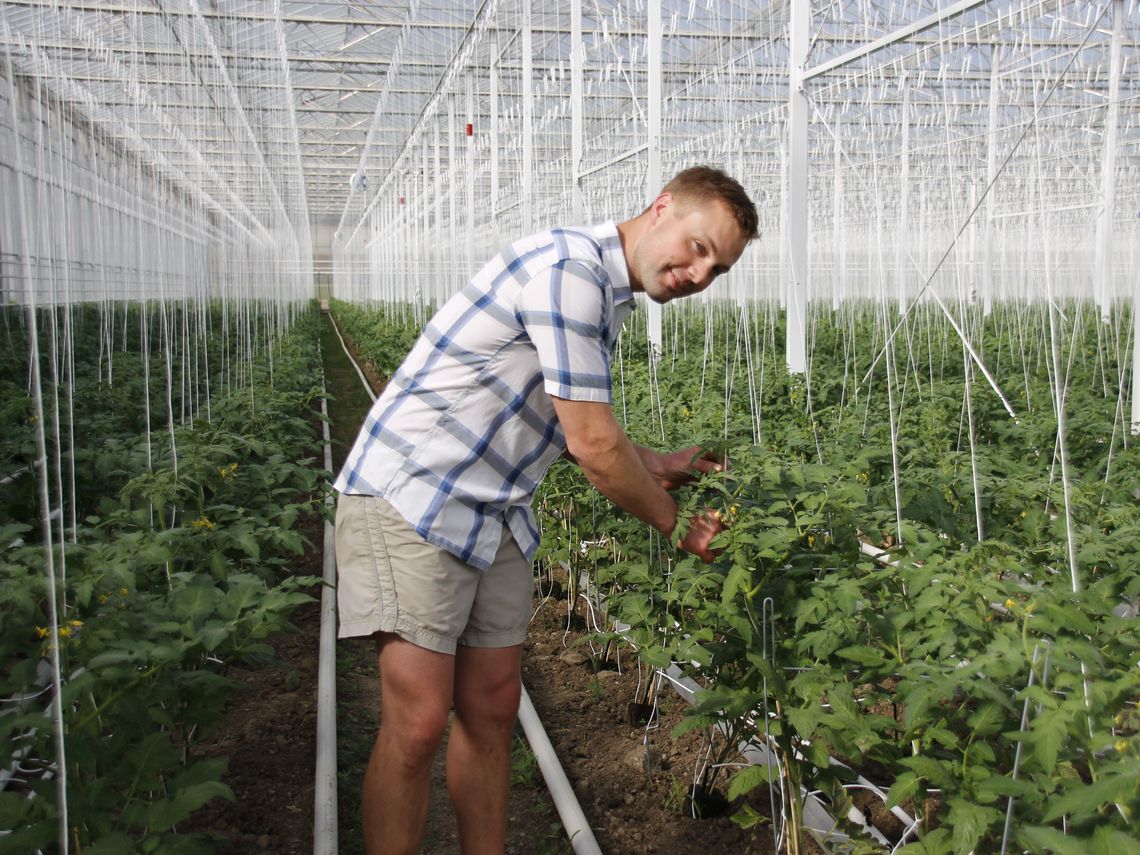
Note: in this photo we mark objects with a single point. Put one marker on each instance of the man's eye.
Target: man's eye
(700, 247)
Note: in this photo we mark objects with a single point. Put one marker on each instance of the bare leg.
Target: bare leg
(487, 689)
(416, 687)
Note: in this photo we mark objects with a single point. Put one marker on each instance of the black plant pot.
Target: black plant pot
(704, 803)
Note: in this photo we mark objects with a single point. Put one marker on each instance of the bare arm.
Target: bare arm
(598, 444)
(618, 469)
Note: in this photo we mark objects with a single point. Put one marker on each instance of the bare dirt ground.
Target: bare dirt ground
(631, 780)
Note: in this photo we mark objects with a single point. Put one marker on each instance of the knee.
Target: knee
(495, 706)
(415, 738)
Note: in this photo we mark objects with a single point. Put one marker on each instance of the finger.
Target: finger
(718, 463)
(704, 466)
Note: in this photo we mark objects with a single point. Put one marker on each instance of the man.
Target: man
(435, 532)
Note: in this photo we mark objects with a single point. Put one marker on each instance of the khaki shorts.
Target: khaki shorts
(389, 579)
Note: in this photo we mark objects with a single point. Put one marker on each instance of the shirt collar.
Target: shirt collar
(613, 260)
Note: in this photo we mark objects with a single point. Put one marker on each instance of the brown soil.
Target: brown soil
(269, 737)
(630, 780)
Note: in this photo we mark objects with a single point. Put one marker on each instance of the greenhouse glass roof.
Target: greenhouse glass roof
(261, 104)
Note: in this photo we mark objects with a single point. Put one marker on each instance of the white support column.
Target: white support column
(1136, 355)
(577, 148)
(901, 240)
(469, 130)
(653, 173)
(527, 179)
(1102, 284)
(782, 287)
(451, 254)
(493, 85)
(795, 347)
(838, 245)
(989, 238)
(429, 278)
(430, 248)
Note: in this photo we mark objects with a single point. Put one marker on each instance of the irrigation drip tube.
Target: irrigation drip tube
(573, 819)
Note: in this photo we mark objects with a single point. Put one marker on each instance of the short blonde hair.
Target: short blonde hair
(704, 183)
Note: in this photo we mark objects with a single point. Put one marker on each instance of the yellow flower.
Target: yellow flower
(42, 632)
(124, 592)
(1009, 604)
(228, 471)
(65, 632)
(76, 623)
(202, 523)
(1121, 745)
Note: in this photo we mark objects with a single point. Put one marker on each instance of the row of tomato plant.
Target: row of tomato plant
(918, 672)
(177, 566)
(970, 675)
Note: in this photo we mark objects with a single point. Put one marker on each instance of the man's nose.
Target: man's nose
(701, 271)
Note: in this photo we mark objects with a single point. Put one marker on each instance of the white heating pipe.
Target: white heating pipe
(325, 840)
(573, 820)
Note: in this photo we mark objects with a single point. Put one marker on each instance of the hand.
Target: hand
(682, 466)
(703, 528)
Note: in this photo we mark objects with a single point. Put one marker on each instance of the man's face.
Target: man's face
(686, 246)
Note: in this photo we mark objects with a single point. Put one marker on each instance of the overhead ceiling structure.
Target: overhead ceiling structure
(444, 126)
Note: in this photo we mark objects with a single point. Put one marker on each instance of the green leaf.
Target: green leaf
(748, 817)
(1085, 800)
(1036, 838)
(214, 633)
(936, 842)
(969, 822)
(165, 813)
(987, 719)
(935, 771)
(748, 779)
(904, 787)
(862, 654)
(115, 843)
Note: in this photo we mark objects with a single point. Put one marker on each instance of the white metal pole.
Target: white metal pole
(432, 190)
(653, 173)
(469, 129)
(527, 182)
(904, 200)
(795, 344)
(493, 86)
(431, 248)
(450, 189)
(1104, 228)
(1136, 355)
(577, 52)
(991, 173)
(838, 250)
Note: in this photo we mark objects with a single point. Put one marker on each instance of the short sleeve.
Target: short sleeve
(565, 312)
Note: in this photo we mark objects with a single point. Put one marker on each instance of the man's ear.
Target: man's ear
(659, 206)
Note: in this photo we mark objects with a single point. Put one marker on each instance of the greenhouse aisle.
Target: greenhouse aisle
(533, 824)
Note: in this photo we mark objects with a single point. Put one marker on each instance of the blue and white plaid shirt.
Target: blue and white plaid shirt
(465, 430)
